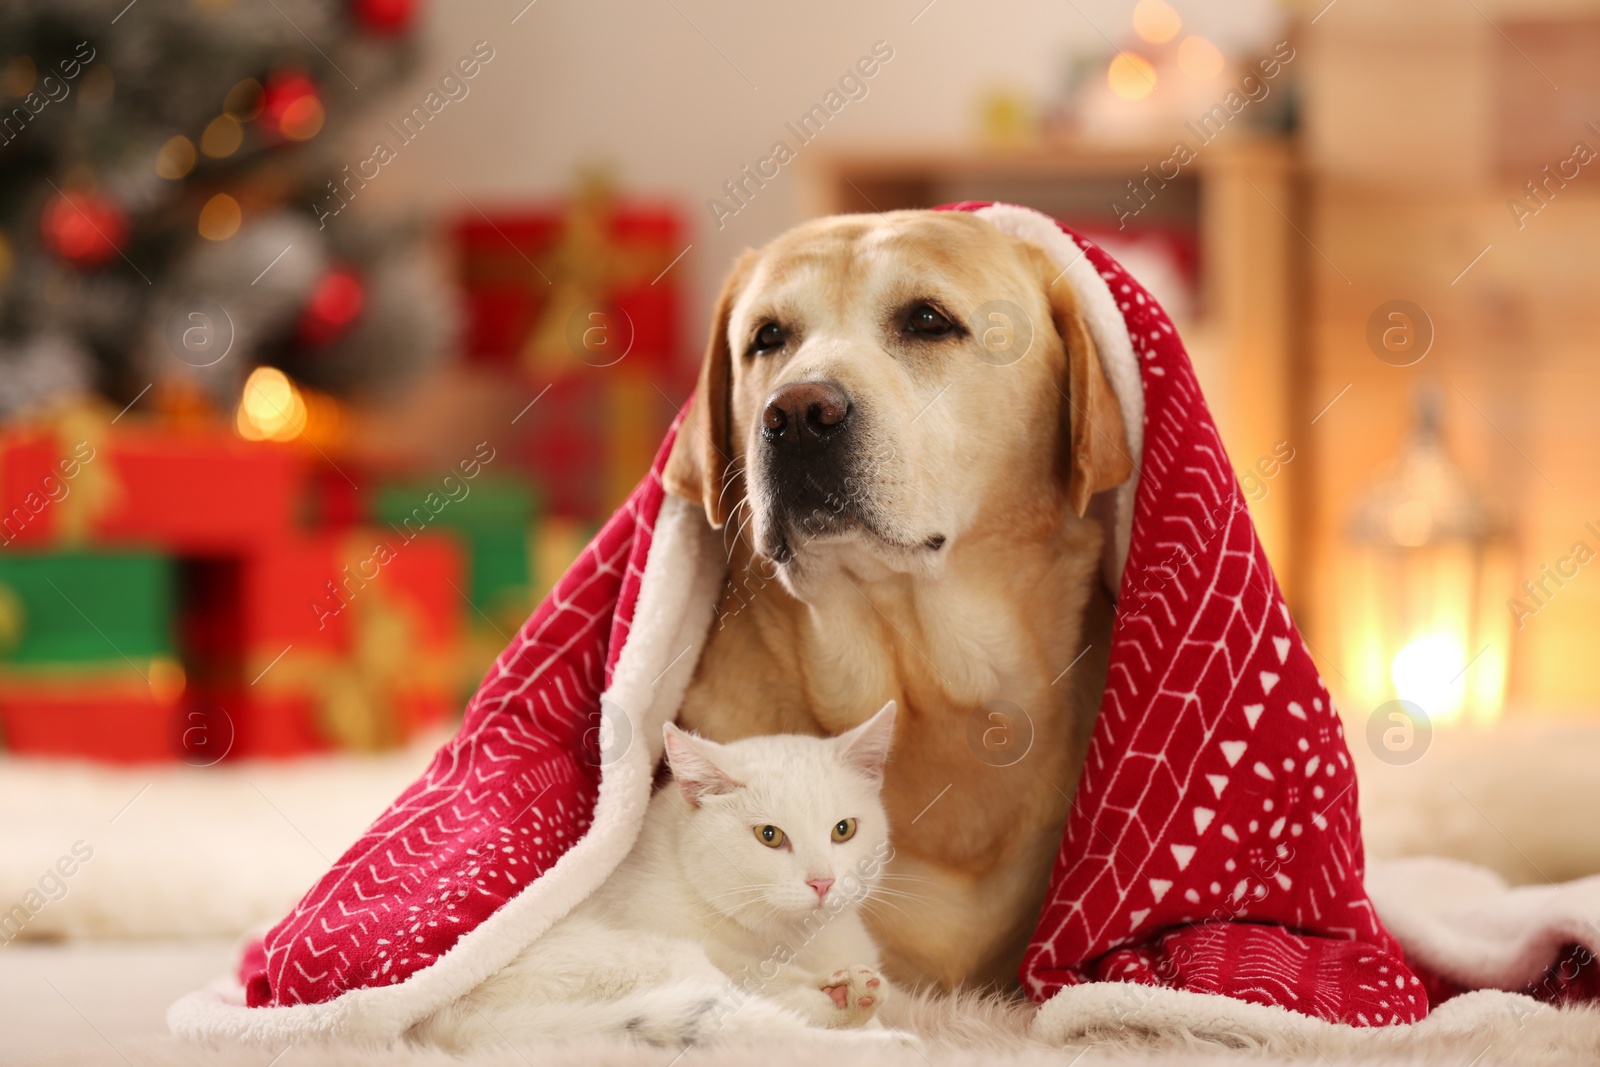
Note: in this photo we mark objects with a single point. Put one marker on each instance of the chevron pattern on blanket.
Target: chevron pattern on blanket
(1214, 843)
(501, 803)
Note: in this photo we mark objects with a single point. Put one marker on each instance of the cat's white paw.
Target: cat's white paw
(857, 994)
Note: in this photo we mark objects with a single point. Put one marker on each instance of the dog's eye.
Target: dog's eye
(928, 321)
(769, 337)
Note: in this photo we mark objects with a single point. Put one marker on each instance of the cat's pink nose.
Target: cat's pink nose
(821, 885)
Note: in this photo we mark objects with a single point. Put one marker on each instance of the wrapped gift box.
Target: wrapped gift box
(346, 640)
(85, 607)
(112, 711)
(186, 491)
(581, 303)
(493, 520)
(88, 665)
(233, 631)
(591, 438)
(518, 268)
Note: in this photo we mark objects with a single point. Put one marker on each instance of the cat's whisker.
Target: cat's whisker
(743, 890)
(736, 907)
(887, 896)
(911, 883)
(725, 917)
(869, 906)
(750, 886)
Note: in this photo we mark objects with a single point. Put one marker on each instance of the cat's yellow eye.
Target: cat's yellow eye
(844, 830)
(770, 836)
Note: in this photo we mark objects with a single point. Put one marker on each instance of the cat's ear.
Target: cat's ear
(866, 747)
(693, 767)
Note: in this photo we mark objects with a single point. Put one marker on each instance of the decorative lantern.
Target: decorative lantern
(1424, 619)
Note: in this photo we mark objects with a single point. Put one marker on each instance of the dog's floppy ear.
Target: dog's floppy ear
(1093, 439)
(702, 455)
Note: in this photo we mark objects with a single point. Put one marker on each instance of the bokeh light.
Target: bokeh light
(1199, 59)
(1156, 21)
(244, 100)
(270, 408)
(302, 119)
(1131, 76)
(222, 137)
(17, 76)
(176, 158)
(220, 218)
(1428, 671)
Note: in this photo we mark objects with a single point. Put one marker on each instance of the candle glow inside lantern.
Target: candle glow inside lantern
(1424, 618)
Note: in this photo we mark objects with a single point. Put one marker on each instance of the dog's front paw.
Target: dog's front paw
(857, 994)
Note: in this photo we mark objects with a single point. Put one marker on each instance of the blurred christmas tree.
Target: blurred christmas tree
(159, 163)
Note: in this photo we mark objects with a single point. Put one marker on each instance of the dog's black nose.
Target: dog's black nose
(803, 414)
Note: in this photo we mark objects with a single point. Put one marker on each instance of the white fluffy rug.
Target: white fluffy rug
(1513, 798)
(182, 853)
(969, 1034)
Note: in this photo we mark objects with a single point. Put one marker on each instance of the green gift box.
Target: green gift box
(85, 607)
(492, 518)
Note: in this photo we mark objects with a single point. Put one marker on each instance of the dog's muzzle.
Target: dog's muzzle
(808, 432)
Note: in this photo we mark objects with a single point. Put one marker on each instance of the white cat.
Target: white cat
(734, 916)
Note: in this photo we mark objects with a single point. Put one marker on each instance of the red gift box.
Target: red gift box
(348, 640)
(591, 437)
(196, 492)
(608, 257)
(107, 713)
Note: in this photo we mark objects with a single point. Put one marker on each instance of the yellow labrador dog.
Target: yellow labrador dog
(902, 492)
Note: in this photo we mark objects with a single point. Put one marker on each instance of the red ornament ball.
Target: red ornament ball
(290, 105)
(384, 16)
(336, 302)
(84, 229)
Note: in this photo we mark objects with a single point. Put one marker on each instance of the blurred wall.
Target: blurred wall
(680, 94)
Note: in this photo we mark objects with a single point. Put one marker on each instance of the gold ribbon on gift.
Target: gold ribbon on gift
(586, 265)
(94, 491)
(356, 692)
(13, 620)
(157, 679)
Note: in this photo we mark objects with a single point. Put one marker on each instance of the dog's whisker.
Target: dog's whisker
(729, 475)
(737, 534)
(730, 533)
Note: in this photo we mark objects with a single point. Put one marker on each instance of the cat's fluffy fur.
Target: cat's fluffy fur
(705, 931)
